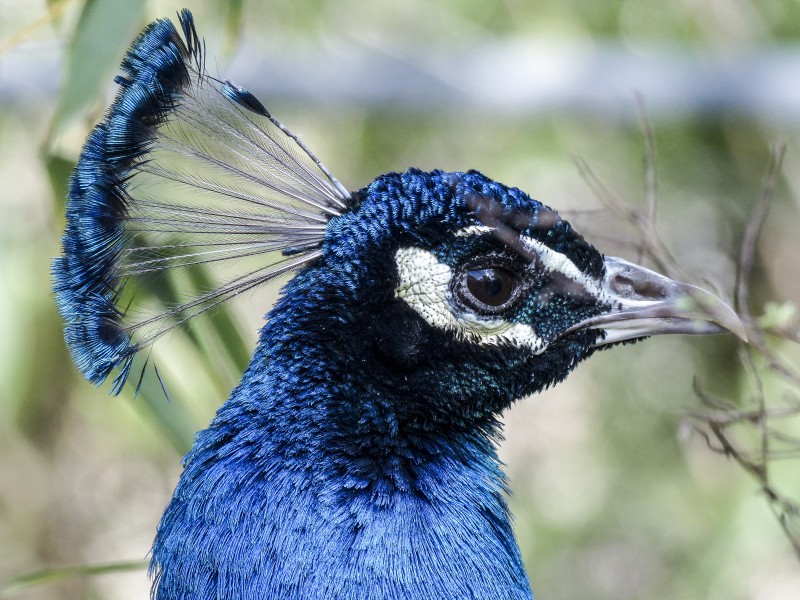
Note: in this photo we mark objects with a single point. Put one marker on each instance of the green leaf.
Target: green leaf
(222, 324)
(55, 8)
(46, 576)
(234, 17)
(104, 30)
(58, 172)
(778, 315)
(171, 417)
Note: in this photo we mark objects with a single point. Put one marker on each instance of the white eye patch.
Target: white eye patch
(425, 285)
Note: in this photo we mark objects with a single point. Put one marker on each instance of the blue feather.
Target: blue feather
(175, 178)
(86, 282)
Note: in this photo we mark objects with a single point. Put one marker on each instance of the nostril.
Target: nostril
(623, 286)
(644, 288)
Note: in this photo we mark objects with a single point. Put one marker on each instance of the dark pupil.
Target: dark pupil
(493, 286)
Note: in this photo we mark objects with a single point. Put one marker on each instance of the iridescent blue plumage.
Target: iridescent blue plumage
(86, 281)
(356, 459)
(175, 177)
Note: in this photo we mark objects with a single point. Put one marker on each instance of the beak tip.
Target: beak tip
(741, 332)
(730, 327)
(727, 319)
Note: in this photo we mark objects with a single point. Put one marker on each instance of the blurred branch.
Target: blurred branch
(720, 417)
(725, 424)
(644, 220)
(751, 233)
(650, 169)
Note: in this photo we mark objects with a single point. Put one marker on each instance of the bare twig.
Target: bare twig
(751, 233)
(722, 423)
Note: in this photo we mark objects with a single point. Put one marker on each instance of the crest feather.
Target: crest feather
(185, 172)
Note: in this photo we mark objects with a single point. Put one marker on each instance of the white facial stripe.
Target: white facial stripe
(555, 261)
(474, 230)
(425, 286)
(551, 260)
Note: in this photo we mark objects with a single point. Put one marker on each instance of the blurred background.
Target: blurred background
(616, 495)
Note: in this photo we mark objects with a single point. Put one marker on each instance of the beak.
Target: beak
(644, 303)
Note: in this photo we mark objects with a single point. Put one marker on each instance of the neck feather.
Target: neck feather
(309, 484)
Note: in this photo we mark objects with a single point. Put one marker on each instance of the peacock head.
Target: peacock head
(458, 295)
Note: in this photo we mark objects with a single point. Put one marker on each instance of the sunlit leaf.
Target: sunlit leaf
(55, 8)
(58, 170)
(103, 33)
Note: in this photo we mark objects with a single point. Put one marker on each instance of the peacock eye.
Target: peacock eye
(487, 289)
(493, 287)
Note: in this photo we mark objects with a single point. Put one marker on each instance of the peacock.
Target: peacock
(357, 456)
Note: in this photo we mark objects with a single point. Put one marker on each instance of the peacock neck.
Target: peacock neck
(310, 483)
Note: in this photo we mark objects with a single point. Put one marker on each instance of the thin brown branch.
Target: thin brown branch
(650, 163)
(728, 427)
(751, 234)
